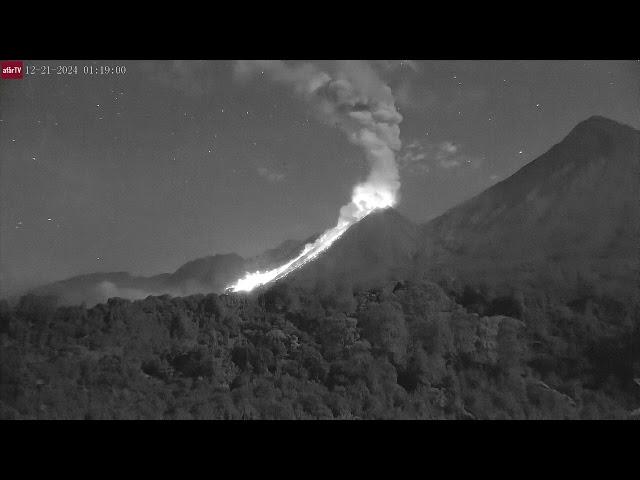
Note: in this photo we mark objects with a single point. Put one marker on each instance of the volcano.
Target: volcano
(572, 215)
(572, 212)
(574, 209)
(379, 248)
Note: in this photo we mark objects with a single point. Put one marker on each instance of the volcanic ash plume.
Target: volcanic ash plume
(353, 97)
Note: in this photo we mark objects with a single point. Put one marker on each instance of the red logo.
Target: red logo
(12, 70)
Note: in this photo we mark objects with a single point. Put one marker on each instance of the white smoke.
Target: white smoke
(353, 97)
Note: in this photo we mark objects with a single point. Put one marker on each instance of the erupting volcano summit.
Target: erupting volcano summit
(363, 106)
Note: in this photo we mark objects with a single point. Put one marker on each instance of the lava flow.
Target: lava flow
(364, 202)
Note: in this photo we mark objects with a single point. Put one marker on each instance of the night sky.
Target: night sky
(172, 161)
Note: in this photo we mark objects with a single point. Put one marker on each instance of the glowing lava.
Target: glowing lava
(365, 200)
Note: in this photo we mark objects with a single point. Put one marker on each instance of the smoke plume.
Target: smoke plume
(353, 97)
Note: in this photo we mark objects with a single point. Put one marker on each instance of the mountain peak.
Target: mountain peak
(383, 215)
(599, 120)
(576, 204)
(369, 252)
(381, 224)
(599, 137)
(599, 125)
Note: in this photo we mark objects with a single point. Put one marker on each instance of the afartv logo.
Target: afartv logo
(12, 69)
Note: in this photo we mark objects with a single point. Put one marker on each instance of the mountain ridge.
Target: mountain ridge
(572, 203)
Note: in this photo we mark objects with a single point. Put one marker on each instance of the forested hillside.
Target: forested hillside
(405, 351)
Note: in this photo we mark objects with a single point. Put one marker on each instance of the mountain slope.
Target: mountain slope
(571, 214)
(379, 247)
(576, 206)
(203, 275)
(278, 255)
(207, 274)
